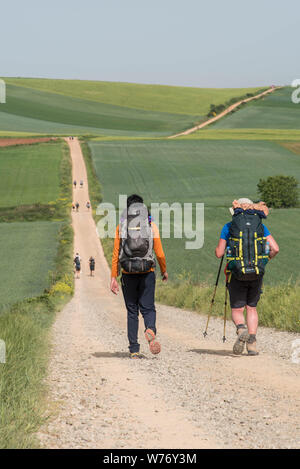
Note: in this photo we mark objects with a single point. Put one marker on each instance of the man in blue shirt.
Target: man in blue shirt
(244, 293)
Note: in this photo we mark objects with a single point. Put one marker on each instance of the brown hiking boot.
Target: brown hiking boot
(242, 338)
(251, 345)
(154, 345)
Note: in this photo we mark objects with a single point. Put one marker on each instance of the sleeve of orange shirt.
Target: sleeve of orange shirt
(158, 249)
(115, 257)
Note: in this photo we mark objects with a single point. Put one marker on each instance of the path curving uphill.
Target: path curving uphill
(225, 112)
(195, 394)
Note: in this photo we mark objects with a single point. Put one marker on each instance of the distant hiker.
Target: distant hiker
(135, 240)
(88, 205)
(77, 262)
(73, 206)
(81, 183)
(92, 265)
(77, 206)
(249, 246)
(74, 183)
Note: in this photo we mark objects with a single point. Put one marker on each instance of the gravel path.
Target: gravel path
(195, 394)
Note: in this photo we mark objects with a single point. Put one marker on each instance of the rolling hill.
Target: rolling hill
(109, 109)
(276, 111)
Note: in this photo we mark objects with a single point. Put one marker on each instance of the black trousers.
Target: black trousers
(139, 293)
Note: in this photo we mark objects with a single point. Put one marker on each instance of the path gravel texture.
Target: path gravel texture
(195, 394)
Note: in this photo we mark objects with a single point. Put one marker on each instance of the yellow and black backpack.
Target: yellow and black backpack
(246, 250)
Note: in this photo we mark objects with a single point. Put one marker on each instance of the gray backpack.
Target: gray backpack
(136, 248)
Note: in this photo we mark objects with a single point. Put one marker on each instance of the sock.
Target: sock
(252, 338)
(240, 326)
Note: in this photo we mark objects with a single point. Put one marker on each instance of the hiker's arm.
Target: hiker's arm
(220, 249)
(114, 264)
(159, 252)
(274, 248)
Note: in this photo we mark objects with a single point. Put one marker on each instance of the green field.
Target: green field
(39, 111)
(158, 98)
(31, 174)
(99, 108)
(211, 133)
(212, 172)
(36, 279)
(276, 111)
(28, 257)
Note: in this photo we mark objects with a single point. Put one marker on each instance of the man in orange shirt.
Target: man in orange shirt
(135, 240)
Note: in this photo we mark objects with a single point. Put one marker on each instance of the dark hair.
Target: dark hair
(134, 199)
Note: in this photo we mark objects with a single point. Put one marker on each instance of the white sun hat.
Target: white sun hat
(241, 201)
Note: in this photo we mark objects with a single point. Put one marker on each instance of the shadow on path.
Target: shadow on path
(223, 353)
(113, 355)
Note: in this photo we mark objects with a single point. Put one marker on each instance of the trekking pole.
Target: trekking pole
(225, 309)
(213, 298)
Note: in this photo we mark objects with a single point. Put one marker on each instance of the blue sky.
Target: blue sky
(229, 43)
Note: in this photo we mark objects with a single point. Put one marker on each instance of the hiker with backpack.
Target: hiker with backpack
(248, 245)
(92, 265)
(77, 262)
(136, 240)
(77, 206)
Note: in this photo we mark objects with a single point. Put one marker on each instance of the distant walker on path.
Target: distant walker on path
(77, 262)
(92, 265)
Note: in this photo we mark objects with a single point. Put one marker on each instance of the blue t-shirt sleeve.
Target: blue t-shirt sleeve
(266, 231)
(225, 232)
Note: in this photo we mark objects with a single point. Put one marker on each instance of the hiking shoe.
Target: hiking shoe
(251, 345)
(135, 355)
(242, 338)
(154, 345)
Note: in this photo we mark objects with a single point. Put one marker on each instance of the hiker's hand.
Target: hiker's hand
(114, 285)
(165, 277)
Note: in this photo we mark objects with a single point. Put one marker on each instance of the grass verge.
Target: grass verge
(278, 307)
(25, 329)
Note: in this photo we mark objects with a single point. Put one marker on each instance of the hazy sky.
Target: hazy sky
(178, 42)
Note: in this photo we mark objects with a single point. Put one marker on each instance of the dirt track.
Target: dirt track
(195, 394)
(224, 113)
(7, 142)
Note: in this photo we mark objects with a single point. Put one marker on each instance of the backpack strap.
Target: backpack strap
(241, 252)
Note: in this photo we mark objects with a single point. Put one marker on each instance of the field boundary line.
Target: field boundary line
(225, 112)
